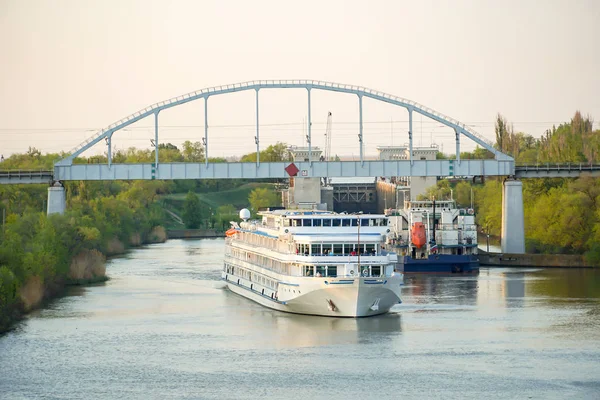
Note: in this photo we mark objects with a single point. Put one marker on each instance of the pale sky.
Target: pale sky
(70, 68)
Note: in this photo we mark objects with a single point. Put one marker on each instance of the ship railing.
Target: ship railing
(446, 227)
(455, 227)
(350, 276)
(325, 256)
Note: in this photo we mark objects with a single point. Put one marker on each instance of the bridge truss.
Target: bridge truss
(501, 165)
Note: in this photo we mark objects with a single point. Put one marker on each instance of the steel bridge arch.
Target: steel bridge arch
(411, 106)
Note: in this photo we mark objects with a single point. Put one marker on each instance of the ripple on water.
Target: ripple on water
(163, 327)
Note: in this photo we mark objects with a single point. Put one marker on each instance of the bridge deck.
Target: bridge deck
(16, 177)
(317, 169)
(570, 170)
(277, 169)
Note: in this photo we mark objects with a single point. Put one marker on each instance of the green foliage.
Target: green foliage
(571, 142)
(192, 215)
(276, 152)
(489, 206)
(225, 214)
(32, 160)
(261, 198)
(193, 152)
(462, 194)
(441, 191)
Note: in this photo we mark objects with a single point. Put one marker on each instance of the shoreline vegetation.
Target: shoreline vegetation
(40, 255)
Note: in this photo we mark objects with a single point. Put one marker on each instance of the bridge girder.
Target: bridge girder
(306, 169)
(411, 106)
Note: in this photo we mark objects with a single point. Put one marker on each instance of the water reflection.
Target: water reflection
(566, 283)
(295, 330)
(163, 327)
(455, 289)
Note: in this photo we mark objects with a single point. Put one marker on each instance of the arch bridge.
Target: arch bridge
(501, 165)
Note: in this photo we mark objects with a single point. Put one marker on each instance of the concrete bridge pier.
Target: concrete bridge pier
(56, 199)
(513, 220)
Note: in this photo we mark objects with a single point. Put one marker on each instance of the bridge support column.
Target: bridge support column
(205, 140)
(309, 137)
(257, 137)
(56, 199)
(410, 142)
(108, 143)
(360, 127)
(513, 221)
(156, 138)
(457, 133)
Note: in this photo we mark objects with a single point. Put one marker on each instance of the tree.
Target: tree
(276, 152)
(440, 191)
(192, 214)
(262, 197)
(193, 152)
(226, 213)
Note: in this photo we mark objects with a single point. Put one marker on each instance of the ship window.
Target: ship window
(336, 222)
(316, 222)
(376, 270)
(327, 249)
(370, 248)
(307, 222)
(286, 222)
(354, 222)
(348, 248)
(321, 270)
(332, 270)
(326, 222)
(364, 222)
(304, 248)
(315, 249)
(309, 270)
(384, 222)
(338, 249)
(296, 222)
(345, 222)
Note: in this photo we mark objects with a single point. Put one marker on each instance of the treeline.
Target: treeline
(561, 215)
(40, 254)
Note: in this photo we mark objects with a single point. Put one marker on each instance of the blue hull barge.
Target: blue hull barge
(434, 237)
(440, 264)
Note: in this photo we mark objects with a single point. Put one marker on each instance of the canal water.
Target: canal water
(163, 327)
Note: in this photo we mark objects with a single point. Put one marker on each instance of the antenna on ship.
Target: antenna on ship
(245, 214)
(358, 252)
(432, 244)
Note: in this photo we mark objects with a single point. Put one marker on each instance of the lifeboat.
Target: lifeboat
(417, 234)
(231, 232)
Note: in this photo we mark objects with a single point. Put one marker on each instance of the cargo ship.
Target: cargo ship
(434, 237)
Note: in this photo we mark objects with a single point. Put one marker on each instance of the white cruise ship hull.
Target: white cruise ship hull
(332, 297)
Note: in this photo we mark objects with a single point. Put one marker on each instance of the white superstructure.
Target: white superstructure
(313, 262)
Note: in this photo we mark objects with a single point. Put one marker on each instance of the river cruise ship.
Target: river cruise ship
(434, 237)
(313, 262)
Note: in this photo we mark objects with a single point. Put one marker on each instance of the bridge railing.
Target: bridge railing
(19, 176)
(557, 167)
(24, 173)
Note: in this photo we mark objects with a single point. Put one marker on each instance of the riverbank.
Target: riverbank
(534, 260)
(193, 233)
(85, 268)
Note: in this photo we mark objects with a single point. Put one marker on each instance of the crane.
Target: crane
(328, 138)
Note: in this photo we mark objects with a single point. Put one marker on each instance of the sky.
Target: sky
(69, 68)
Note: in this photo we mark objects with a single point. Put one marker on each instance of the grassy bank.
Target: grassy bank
(40, 255)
